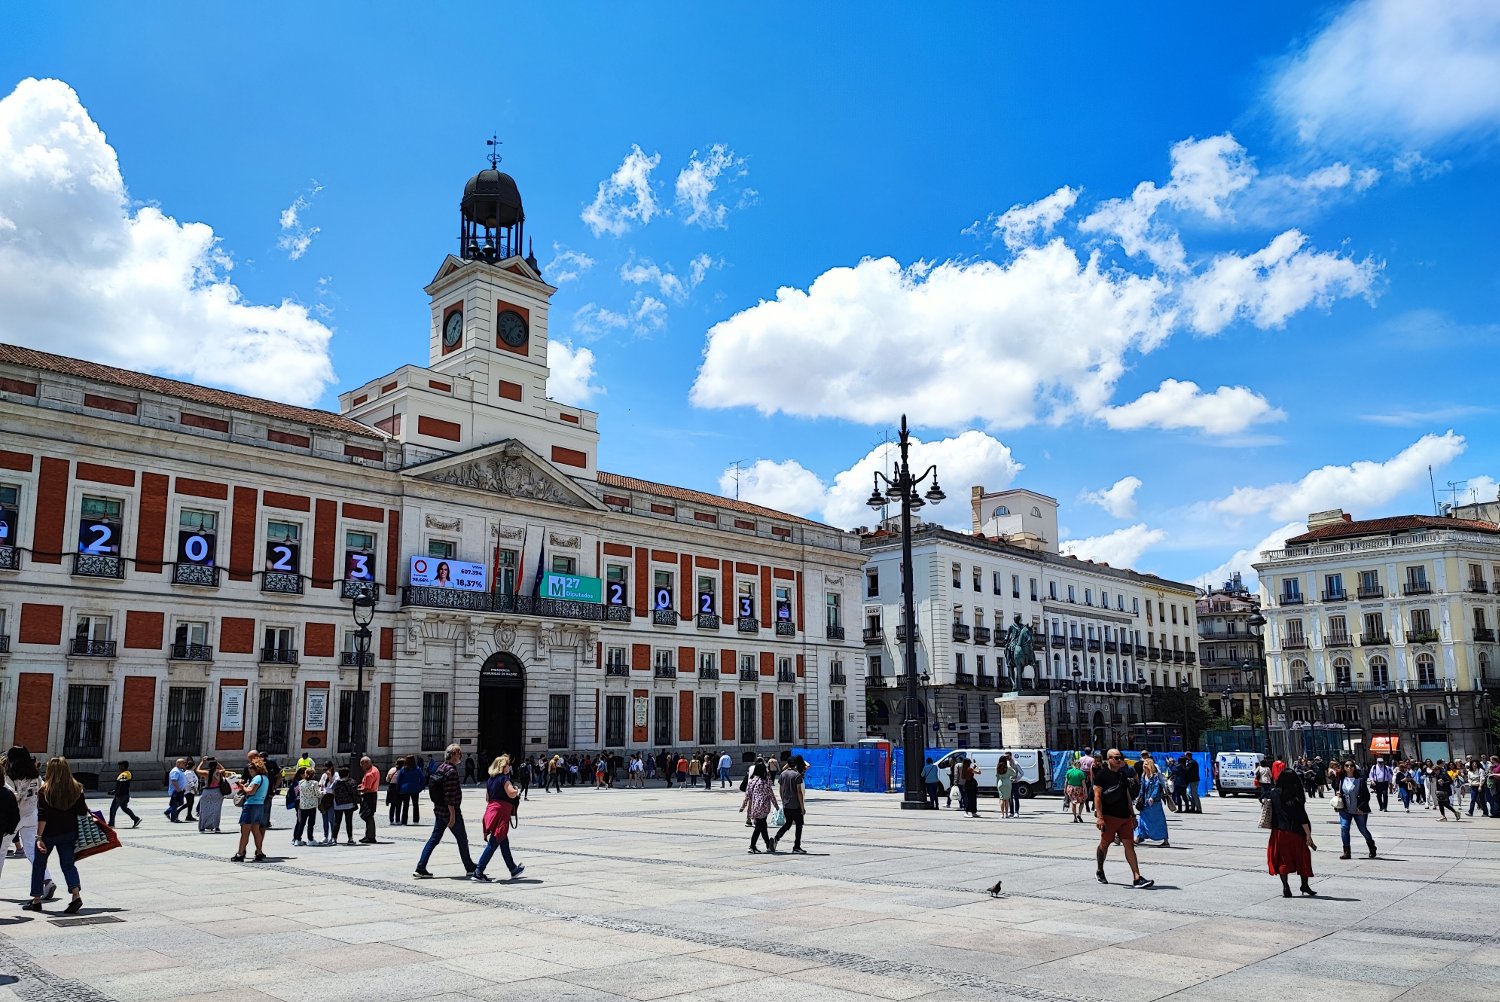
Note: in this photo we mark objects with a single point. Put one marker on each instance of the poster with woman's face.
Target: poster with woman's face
(434, 572)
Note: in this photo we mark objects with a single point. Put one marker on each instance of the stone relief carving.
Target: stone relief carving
(507, 531)
(833, 579)
(445, 524)
(509, 474)
(566, 542)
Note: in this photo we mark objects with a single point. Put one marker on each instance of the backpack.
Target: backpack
(10, 812)
(436, 791)
(343, 792)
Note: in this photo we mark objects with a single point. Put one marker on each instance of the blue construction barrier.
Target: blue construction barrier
(868, 769)
(1060, 761)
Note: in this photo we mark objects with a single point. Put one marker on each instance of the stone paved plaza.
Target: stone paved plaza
(651, 895)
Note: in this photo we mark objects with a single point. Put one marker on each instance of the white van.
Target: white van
(1234, 772)
(1031, 768)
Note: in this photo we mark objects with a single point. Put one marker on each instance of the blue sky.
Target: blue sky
(1029, 230)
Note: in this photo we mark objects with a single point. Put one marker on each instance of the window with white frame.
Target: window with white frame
(359, 555)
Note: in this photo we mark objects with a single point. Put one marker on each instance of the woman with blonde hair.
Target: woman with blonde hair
(502, 799)
(1151, 821)
(59, 806)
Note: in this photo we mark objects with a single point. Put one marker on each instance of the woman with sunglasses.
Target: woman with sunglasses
(1352, 801)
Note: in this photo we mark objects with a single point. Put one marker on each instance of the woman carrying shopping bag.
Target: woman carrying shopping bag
(59, 806)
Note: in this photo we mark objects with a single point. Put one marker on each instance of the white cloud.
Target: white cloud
(1362, 485)
(969, 458)
(699, 267)
(1242, 560)
(697, 182)
(593, 321)
(1021, 225)
(1206, 173)
(1395, 73)
(1273, 283)
(1118, 499)
(1181, 404)
(296, 236)
(1121, 548)
(644, 272)
(648, 313)
(625, 197)
(158, 296)
(570, 373)
(1475, 490)
(566, 266)
(785, 486)
(1043, 335)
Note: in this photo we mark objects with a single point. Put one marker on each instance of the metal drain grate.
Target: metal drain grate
(68, 923)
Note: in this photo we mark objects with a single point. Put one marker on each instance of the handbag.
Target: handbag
(1169, 804)
(777, 819)
(1265, 814)
(1338, 802)
(94, 836)
(239, 797)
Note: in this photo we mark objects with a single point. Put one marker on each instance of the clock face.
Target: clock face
(511, 327)
(453, 328)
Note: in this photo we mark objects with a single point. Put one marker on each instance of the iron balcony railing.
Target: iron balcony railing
(663, 617)
(960, 631)
(1422, 637)
(835, 633)
(1095, 646)
(1336, 596)
(4, 643)
(1339, 640)
(873, 635)
(707, 621)
(1416, 588)
(1484, 634)
(749, 675)
(281, 582)
(1290, 599)
(981, 634)
(786, 628)
(837, 678)
(1374, 640)
(786, 676)
(278, 655)
(618, 669)
(192, 652)
(93, 648)
(666, 671)
(747, 624)
(355, 659)
(195, 574)
(1476, 586)
(1076, 643)
(964, 678)
(97, 565)
(349, 589)
(10, 558)
(1375, 592)
(503, 603)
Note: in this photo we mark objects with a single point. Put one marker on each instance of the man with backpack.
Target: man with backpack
(447, 794)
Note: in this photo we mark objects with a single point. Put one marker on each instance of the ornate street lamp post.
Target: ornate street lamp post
(1077, 706)
(362, 599)
(1184, 688)
(903, 488)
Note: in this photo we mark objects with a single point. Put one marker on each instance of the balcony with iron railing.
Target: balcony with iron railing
(278, 655)
(706, 621)
(10, 558)
(837, 677)
(1335, 596)
(1422, 636)
(747, 624)
(616, 669)
(964, 677)
(1153, 654)
(872, 635)
(504, 603)
(663, 617)
(877, 681)
(198, 575)
(92, 648)
(1057, 641)
(349, 588)
(1297, 643)
(834, 632)
(1374, 639)
(1290, 599)
(1095, 646)
(786, 676)
(1338, 640)
(961, 631)
(1140, 651)
(749, 675)
(1192, 658)
(4, 643)
(97, 565)
(1111, 647)
(1484, 634)
(901, 634)
(1478, 586)
(191, 652)
(786, 628)
(1372, 592)
(984, 680)
(664, 671)
(281, 583)
(356, 659)
(1075, 643)
(710, 677)
(1416, 588)
(981, 634)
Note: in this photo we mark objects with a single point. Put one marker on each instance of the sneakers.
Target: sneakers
(49, 890)
(1099, 876)
(74, 906)
(799, 849)
(1141, 883)
(516, 873)
(479, 878)
(298, 841)
(421, 874)
(136, 823)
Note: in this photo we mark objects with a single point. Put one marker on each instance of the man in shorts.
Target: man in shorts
(1115, 815)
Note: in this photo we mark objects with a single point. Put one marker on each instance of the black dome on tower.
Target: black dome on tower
(491, 219)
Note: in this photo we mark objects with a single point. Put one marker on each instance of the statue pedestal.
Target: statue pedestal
(1023, 721)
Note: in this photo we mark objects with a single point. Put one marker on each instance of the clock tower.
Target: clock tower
(486, 374)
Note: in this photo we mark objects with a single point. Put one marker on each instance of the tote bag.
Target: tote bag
(94, 836)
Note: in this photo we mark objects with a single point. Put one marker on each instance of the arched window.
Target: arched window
(1000, 511)
(1426, 671)
(1380, 671)
(1342, 673)
(1297, 671)
(1484, 667)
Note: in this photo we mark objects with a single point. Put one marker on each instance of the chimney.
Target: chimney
(1333, 516)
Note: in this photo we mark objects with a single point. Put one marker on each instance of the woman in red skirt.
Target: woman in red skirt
(1290, 848)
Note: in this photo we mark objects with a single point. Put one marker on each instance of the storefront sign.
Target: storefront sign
(573, 588)
(232, 707)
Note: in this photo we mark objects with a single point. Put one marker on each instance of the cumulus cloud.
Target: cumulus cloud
(1362, 485)
(1181, 404)
(1042, 335)
(1242, 560)
(1476, 490)
(969, 458)
(1118, 499)
(570, 373)
(566, 266)
(1272, 284)
(296, 236)
(1396, 74)
(701, 178)
(1121, 548)
(646, 314)
(159, 297)
(626, 197)
(1021, 225)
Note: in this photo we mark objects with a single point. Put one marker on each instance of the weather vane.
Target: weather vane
(494, 144)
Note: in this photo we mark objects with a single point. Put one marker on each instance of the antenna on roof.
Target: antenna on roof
(494, 155)
(1433, 484)
(1453, 486)
(736, 467)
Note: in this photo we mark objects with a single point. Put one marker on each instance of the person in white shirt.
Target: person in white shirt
(725, 762)
(177, 789)
(25, 782)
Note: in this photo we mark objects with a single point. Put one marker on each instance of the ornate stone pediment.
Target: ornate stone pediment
(507, 468)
